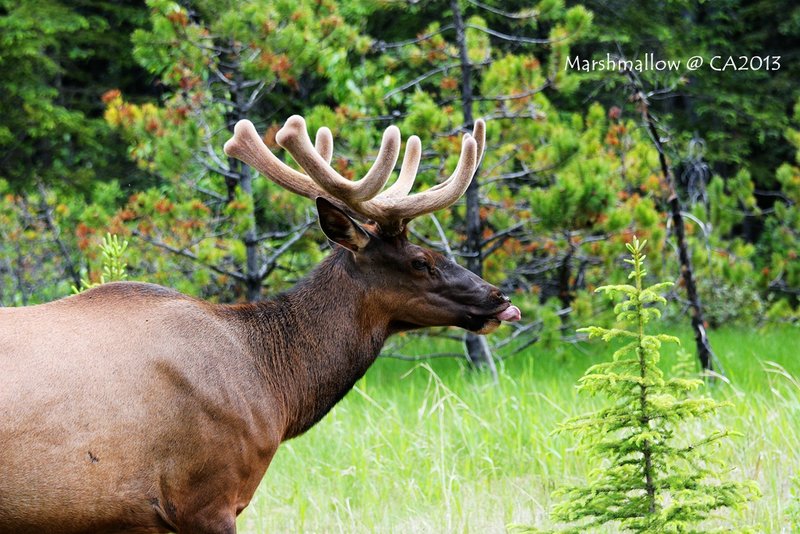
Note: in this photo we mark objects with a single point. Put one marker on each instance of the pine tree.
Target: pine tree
(652, 475)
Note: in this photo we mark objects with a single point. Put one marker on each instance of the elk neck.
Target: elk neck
(312, 343)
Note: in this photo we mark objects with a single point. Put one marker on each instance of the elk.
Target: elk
(134, 408)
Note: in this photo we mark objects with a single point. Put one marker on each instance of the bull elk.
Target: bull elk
(134, 408)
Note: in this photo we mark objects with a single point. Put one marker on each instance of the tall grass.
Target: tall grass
(436, 448)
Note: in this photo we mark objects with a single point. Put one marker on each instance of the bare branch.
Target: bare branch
(502, 235)
(517, 96)
(220, 75)
(442, 236)
(224, 101)
(284, 234)
(215, 168)
(511, 38)
(255, 96)
(210, 193)
(56, 231)
(190, 255)
(420, 78)
(505, 114)
(272, 261)
(382, 46)
(427, 242)
(531, 14)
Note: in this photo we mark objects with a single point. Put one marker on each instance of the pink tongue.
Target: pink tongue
(510, 314)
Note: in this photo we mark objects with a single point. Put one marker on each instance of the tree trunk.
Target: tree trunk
(478, 351)
(565, 293)
(704, 352)
(69, 265)
(244, 179)
(253, 280)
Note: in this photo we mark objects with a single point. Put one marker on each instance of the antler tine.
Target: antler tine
(479, 133)
(324, 144)
(414, 150)
(391, 209)
(408, 170)
(409, 207)
(246, 145)
(392, 213)
(294, 138)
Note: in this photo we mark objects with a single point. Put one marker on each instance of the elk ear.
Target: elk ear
(339, 227)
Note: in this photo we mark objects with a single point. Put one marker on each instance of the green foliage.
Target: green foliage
(33, 35)
(727, 302)
(218, 63)
(596, 184)
(741, 114)
(726, 128)
(652, 475)
(38, 256)
(314, 59)
(54, 63)
(780, 243)
(114, 266)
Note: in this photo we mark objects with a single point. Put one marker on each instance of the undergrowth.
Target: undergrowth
(438, 449)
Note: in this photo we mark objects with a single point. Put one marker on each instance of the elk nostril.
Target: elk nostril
(497, 294)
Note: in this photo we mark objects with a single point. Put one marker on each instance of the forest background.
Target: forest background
(114, 115)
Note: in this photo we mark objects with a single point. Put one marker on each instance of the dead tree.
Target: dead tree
(704, 351)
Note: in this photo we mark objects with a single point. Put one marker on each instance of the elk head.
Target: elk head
(415, 286)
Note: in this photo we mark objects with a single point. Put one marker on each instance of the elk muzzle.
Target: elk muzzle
(483, 306)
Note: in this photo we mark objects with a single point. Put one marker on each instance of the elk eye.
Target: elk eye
(420, 265)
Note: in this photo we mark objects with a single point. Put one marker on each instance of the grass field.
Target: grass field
(435, 448)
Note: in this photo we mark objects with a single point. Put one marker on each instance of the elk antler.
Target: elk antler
(392, 208)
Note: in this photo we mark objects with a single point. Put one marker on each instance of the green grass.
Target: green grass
(435, 448)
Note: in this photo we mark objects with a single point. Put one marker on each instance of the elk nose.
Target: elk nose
(499, 295)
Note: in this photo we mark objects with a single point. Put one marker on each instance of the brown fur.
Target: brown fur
(133, 408)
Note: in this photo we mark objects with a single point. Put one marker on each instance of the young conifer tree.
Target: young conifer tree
(115, 268)
(652, 475)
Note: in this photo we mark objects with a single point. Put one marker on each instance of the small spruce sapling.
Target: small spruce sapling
(652, 475)
(114, 265)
